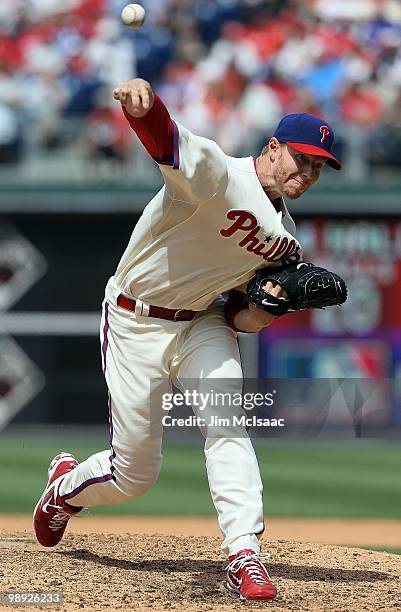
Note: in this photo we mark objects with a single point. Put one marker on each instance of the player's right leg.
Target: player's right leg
(135, 352)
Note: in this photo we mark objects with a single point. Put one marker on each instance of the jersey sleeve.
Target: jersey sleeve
(236, 301)
(157, 132)
(194, 168)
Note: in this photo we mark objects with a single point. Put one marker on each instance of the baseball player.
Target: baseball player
(216, 221)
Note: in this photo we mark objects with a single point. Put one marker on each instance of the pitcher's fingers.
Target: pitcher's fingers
(123, 97)
(135, 100)
(275, 289)
(145, 97)
(269, 286)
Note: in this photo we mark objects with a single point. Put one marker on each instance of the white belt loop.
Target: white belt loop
(138, 307)
(141, 308)
(145, 309)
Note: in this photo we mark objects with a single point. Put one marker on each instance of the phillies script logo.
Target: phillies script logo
(325, 132)
(245, 223)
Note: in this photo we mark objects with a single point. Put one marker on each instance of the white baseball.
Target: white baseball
(133, 16)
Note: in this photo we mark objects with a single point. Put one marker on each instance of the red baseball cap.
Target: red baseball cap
(308, 134)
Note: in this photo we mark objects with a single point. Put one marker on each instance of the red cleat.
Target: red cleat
(51, 515)
(247, 577)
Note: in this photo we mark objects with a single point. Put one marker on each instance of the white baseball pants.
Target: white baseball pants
(137, 350)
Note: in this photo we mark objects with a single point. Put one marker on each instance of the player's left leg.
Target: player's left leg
(208, 360)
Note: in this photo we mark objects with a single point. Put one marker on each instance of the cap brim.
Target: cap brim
(312, 150)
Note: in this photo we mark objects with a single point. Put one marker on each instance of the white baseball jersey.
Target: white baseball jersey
(205, 232)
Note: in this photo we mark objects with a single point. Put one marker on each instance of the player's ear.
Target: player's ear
(274, 148)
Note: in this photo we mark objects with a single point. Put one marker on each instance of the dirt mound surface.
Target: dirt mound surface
(142, 572)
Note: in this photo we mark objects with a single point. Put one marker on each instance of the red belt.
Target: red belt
(157, 311)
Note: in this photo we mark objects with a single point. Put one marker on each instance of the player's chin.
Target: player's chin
(294, 189)
(293, 193)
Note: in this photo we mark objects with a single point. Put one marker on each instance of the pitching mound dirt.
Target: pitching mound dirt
(129, 572)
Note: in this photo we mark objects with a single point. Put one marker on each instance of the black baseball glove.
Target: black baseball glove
(306, 285)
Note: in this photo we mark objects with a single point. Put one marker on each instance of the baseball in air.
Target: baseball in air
(133, 16)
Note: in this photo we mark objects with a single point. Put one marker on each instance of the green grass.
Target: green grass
(305, 479)
(357, 479)
(387, 549)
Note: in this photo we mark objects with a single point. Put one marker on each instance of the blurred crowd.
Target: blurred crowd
(227, 69)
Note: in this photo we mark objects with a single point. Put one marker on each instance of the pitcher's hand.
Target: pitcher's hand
(136, 95)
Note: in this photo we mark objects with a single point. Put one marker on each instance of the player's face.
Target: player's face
(295, 172)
